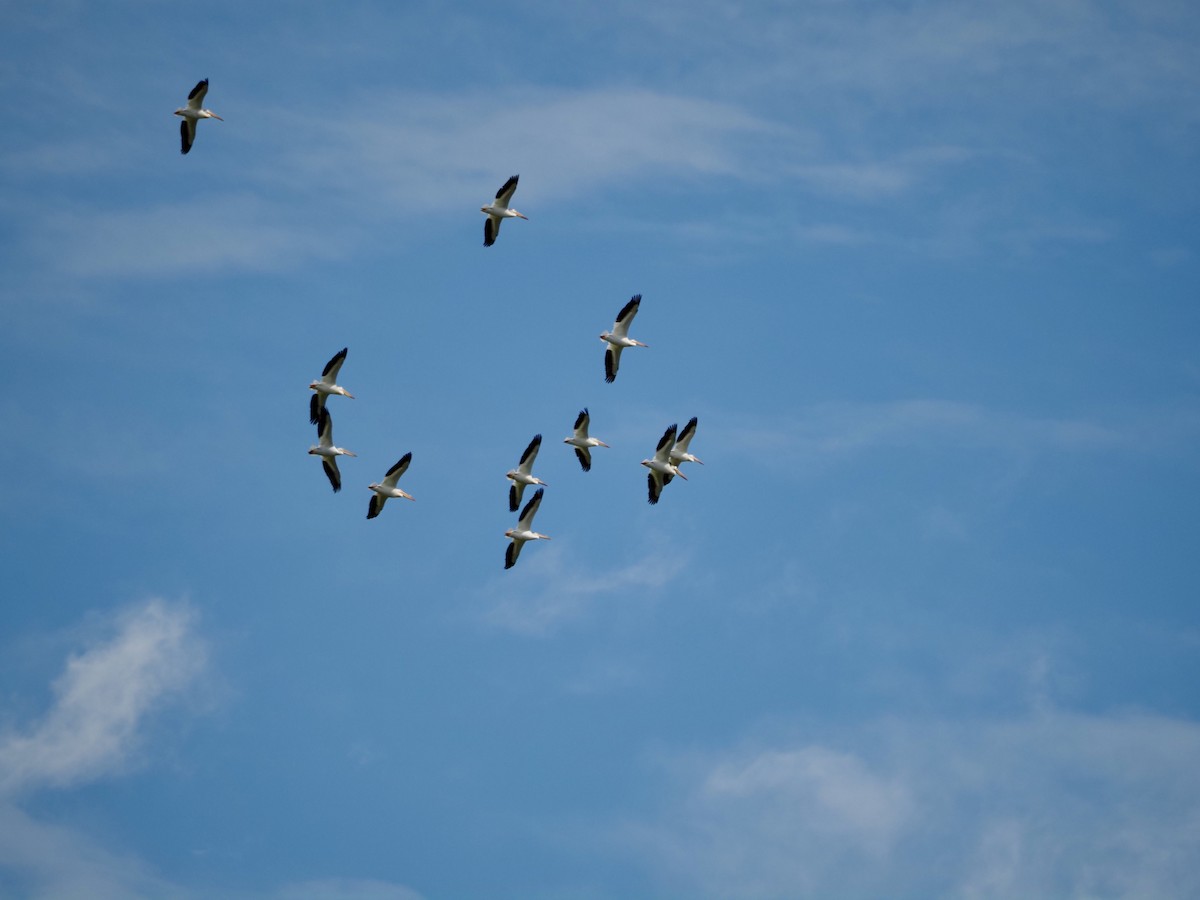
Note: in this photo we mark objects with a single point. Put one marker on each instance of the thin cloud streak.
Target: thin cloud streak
(830, 432)
(195, 239)
(552, 591)
(421, 153)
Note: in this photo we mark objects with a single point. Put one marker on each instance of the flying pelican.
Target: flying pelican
(328, 452)
(498, 210)
(326, 385)
(618, 339)
(523, 474)
(388, 487)
(679, 453)
(524, 530)
(661, 466)
(581, 442)
(192, 113)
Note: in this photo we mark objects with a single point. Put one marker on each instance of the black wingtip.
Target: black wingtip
(513, 503)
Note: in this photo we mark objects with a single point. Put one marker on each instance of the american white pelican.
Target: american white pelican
(524, 530)
(326, 385)
(328, 452)
(498, 210)
(192, 113)
(523, 474)
(581, 442)
(388, 487)
(661, 466)
(618, 339)
(679, 453)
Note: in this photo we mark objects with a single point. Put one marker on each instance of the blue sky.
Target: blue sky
(924, 624)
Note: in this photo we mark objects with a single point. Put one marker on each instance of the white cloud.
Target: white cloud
(102, 700)
(93, 729)
(1050, 805)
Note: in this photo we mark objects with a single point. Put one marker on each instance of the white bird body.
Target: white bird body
(387, 488)
(193, 113)
(523, 474)
(328, 452)
(524, 530)
(679, 451)
(499, 210)
(326, 385)
(581, 442)
(660, 465)
(618, 339)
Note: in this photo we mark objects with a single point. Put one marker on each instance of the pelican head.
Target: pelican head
(519, 215)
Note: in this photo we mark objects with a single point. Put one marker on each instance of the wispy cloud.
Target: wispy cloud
(1051, 805)
(103, 698)
(550, 588)
(346, 889)
(50, 862)
(193, 239)
(421, 152)
(827, 432)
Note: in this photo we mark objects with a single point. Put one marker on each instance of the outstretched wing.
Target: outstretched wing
(685, 436)
(654, 480)
(331, 470)
(525, 523)
(187, 133)
(394, 473)
(196, 97)
(505, 194)
(531, 453)
(330, 372)
(665, 443)
(625, 316)
(612, 361)
(585, 458)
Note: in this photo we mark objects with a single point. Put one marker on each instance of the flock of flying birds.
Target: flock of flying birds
(672, 450)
